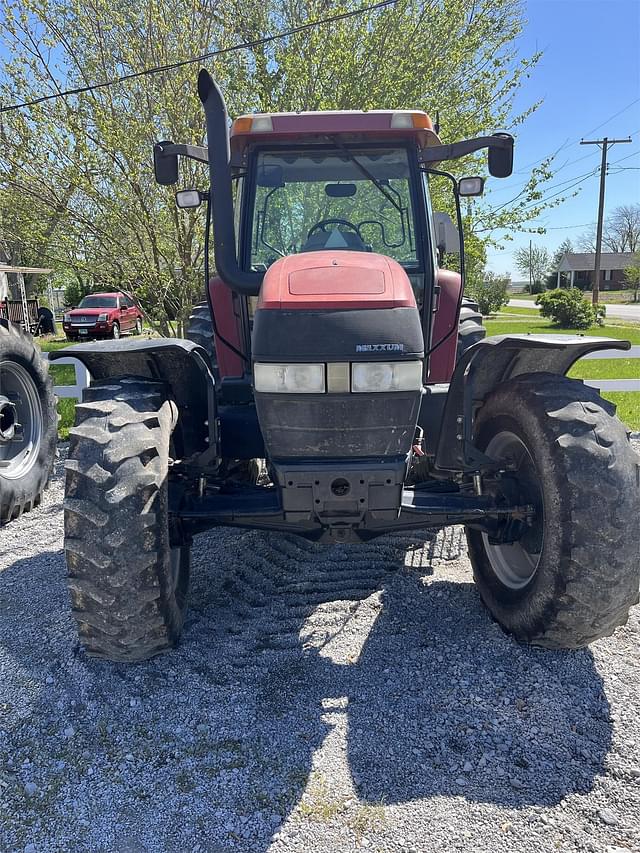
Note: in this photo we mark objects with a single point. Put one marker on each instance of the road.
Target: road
(623, 312)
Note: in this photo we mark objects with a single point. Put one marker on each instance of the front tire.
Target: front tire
(115, 331)
(128, 582)
(575, 573)
(26, 461)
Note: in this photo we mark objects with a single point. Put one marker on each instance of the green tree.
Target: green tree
(532, 262)
(632, 276)
(491, 293)
(569, 309)
(77, 186)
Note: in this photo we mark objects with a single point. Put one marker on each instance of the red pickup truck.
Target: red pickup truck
(103, 315)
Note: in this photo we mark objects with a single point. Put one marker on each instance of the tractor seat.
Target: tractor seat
(334, 239)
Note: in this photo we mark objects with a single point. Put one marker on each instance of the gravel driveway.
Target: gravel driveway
(324, 698)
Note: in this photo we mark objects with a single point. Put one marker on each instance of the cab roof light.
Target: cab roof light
(411, 120)
(253, 124)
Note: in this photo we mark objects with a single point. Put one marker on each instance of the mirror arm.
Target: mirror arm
(192, 152)
(437, 153)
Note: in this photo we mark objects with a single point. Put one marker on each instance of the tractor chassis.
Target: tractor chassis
(270, 508)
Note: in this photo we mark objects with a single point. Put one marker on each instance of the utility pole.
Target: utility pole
(605, 143)
(530, 270)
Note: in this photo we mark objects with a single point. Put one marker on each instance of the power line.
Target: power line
(567, 227)
(536, 203)
(220, 52)
(606, 121)
(576, 178)
(633, 154)
(566, 144)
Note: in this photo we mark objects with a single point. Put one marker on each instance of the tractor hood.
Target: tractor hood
(339, 279)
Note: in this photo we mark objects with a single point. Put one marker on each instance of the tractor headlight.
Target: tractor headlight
(289, 378)
(371, 376)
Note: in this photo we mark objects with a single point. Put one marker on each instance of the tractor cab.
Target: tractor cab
(338, 181)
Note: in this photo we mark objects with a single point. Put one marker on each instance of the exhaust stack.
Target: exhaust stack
(215, 109)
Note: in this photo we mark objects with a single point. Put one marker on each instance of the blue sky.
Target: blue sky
(589, 72)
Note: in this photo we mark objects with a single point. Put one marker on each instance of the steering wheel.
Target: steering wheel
(321, 226)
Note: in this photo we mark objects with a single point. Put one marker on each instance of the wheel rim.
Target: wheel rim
(515, 564)
(18, 456)
(116, 331)
(139, 326)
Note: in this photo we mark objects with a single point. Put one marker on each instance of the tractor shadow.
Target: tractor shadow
(308, 676)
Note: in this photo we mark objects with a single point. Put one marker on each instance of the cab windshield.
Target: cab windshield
(307, 201)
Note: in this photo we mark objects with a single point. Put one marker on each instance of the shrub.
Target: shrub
(491, 292)
(569, 308)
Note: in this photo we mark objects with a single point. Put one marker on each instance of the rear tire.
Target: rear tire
(470, 328)
(574, 579)
(128, 584)
(25, 466)
(200, 331)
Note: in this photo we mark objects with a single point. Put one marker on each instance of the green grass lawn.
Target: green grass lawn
(504, 325)
(519, 312)
(62, 374)
(606, 368)
(628, 406)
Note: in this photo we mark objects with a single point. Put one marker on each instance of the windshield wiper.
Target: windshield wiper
(368, 175)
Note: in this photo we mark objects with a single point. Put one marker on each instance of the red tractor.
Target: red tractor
(340, 389)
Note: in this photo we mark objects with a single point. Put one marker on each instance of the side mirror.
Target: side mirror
(501, 157)
(470, 187)
(447, 237)
(165, 166)
(186, 199)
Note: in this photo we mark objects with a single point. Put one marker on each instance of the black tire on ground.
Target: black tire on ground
(200, 331)
(470, 328)
(115, 331)
(575, 456)
(25, 466)
(128, 585)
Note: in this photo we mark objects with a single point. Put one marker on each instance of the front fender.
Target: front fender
(491, 362)
(182, 364)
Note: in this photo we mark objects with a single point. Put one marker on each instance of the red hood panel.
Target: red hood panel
(336, 279)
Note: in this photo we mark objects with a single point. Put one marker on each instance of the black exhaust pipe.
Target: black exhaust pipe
(224, 238)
